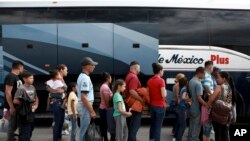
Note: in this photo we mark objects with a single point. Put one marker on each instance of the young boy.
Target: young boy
(27, 102)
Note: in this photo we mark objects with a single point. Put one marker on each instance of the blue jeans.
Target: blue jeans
(157, 117)
(73, 128)
(59, 114)
(194, 127)
(134, 125)
(84, 120)
(180, 124)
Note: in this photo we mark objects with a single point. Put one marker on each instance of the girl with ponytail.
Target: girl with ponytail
(224, 92)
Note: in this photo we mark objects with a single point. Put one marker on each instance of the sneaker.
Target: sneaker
(174, 139)
(65, 132)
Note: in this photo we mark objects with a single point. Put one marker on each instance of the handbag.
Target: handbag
(93, 133)
(221, 109)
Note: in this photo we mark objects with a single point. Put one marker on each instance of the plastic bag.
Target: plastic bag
(4, 123)
(93, 133)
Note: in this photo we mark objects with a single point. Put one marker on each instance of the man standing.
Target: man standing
(196, 91)
(85, 93)
(12, 83)
(132, 84)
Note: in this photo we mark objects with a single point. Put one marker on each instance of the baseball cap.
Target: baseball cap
(88, 61)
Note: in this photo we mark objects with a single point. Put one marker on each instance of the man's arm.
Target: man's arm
(201, 100)
(88, 105)
(8, 89)
(199, 91)
(135, 95)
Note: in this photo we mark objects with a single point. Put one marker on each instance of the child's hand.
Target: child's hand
(128, 114)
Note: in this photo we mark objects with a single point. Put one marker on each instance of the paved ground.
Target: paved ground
(45, 134)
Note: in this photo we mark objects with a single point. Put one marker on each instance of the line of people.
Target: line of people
(21, 102)
(120, 114)
(197, 98)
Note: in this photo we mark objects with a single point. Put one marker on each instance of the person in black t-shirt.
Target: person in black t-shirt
(11, 84)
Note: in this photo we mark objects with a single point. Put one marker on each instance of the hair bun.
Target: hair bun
(154, 65)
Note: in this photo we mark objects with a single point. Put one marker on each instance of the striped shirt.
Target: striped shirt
(208, 82)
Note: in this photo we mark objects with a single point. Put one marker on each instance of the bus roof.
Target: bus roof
(200, 4)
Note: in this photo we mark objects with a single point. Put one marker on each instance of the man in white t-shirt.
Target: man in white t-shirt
(85, 93)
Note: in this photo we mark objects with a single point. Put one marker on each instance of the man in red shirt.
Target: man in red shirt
(132, 84)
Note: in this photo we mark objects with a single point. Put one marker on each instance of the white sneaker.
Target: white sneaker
(65, 132)
(173, 139)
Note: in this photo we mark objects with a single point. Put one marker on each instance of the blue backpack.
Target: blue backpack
(2, 100)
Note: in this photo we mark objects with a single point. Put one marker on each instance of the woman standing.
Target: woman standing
(56, 95)
(224, 90)
(106, 95)
(59, 103)
(182, 108)
(63, 70)
(157, 93)
(175, 101)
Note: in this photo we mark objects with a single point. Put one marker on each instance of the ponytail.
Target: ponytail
(231, 84)
(105, 76)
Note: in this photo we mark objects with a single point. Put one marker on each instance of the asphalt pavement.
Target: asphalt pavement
(45, 134)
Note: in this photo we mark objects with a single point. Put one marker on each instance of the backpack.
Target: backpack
(221, 109)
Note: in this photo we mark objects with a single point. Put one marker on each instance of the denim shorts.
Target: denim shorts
(207, 128)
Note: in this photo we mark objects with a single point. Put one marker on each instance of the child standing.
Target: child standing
(72, 102)
(120, 113)
(27, 102)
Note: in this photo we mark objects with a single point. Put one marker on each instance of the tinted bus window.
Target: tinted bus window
(40, 15)
(230, 29)
(72, 15)
(181, 26)
(117, 15)
(11, 16)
